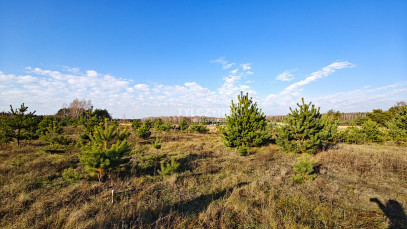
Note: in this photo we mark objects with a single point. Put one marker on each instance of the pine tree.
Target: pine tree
(183, 125)
(20, 123)
(6, 132)
(303, 130)
(144, 131)
(158, 124)
(105, 153)
(136, 124)
(246, 124)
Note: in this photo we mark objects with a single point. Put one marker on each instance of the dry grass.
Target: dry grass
(214, 188)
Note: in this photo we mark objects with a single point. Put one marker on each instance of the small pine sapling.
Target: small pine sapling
(157, 144)
(105, 154)
(183, 125)
(144, 131)
(304, 170)
(168, 168)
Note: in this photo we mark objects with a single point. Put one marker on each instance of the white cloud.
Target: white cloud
(325, 71)
(46, 90)
(224, 62)
(246, 66)
(234, 71)
(285, 76)
(91, 73)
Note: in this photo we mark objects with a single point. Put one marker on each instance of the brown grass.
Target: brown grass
(214, 188)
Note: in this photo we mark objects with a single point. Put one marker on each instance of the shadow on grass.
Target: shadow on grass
(168, 215)
(200, 203)
(394, 212)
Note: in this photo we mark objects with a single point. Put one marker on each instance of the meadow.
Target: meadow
(213, 187)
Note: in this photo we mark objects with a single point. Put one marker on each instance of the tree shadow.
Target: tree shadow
(394, 212)
(200, 203)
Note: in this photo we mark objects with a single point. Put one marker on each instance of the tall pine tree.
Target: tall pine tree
(246, 124)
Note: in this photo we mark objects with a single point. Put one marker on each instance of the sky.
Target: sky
(158, 58)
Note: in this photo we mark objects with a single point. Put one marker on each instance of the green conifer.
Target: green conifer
(105, 153)
(246, 124)
(303, 130)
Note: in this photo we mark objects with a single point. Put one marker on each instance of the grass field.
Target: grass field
(214, 187)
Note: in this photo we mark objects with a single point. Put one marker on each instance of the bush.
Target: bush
(397, 125)
(157, 143)
(304, 130)
(168, 168)
(243, 151)
(304, 170)
(144, 131)
(351, 135)
(158, 124)
(246, 124)
(198, 128)
(371, 132)
(71, 175)
(136, 124)
(183, 125)
(167, 126)
(105, 153)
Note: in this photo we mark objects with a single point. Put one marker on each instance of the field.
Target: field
(214, 187)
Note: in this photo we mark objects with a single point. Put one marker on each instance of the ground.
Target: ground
(357, 186)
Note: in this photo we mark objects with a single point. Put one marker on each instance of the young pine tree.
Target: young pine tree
(303, 130)
(105, 153)
(144, 131)
(246, 124)
(20, 123)
(183, 125)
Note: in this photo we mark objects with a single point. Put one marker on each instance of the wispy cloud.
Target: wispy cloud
(287, 75)
(325, 71)
(224, 62)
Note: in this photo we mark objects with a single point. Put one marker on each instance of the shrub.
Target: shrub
(183, 125)
(397, 126)
(105, 153)
(304, 170)
(20, 124)
(6, 132)
(351, 135)
(158, 124)
(303, 130)
(136, 124)
(198, 128)
(371, 131)
(246, 124)
(144, 131)
(52, 135)
(242, 150)
(71, 175)
(167, 126)
(168, 168)
(157, 143)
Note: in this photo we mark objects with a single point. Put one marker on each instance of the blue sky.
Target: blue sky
(152, 58)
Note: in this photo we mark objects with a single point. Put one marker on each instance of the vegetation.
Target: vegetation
(304, 170)
(20, 125)
(207, 184)
(246, 124)
(304, 130)
(168, 168)
(144, 131)
(183, 125)
(106, 153)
